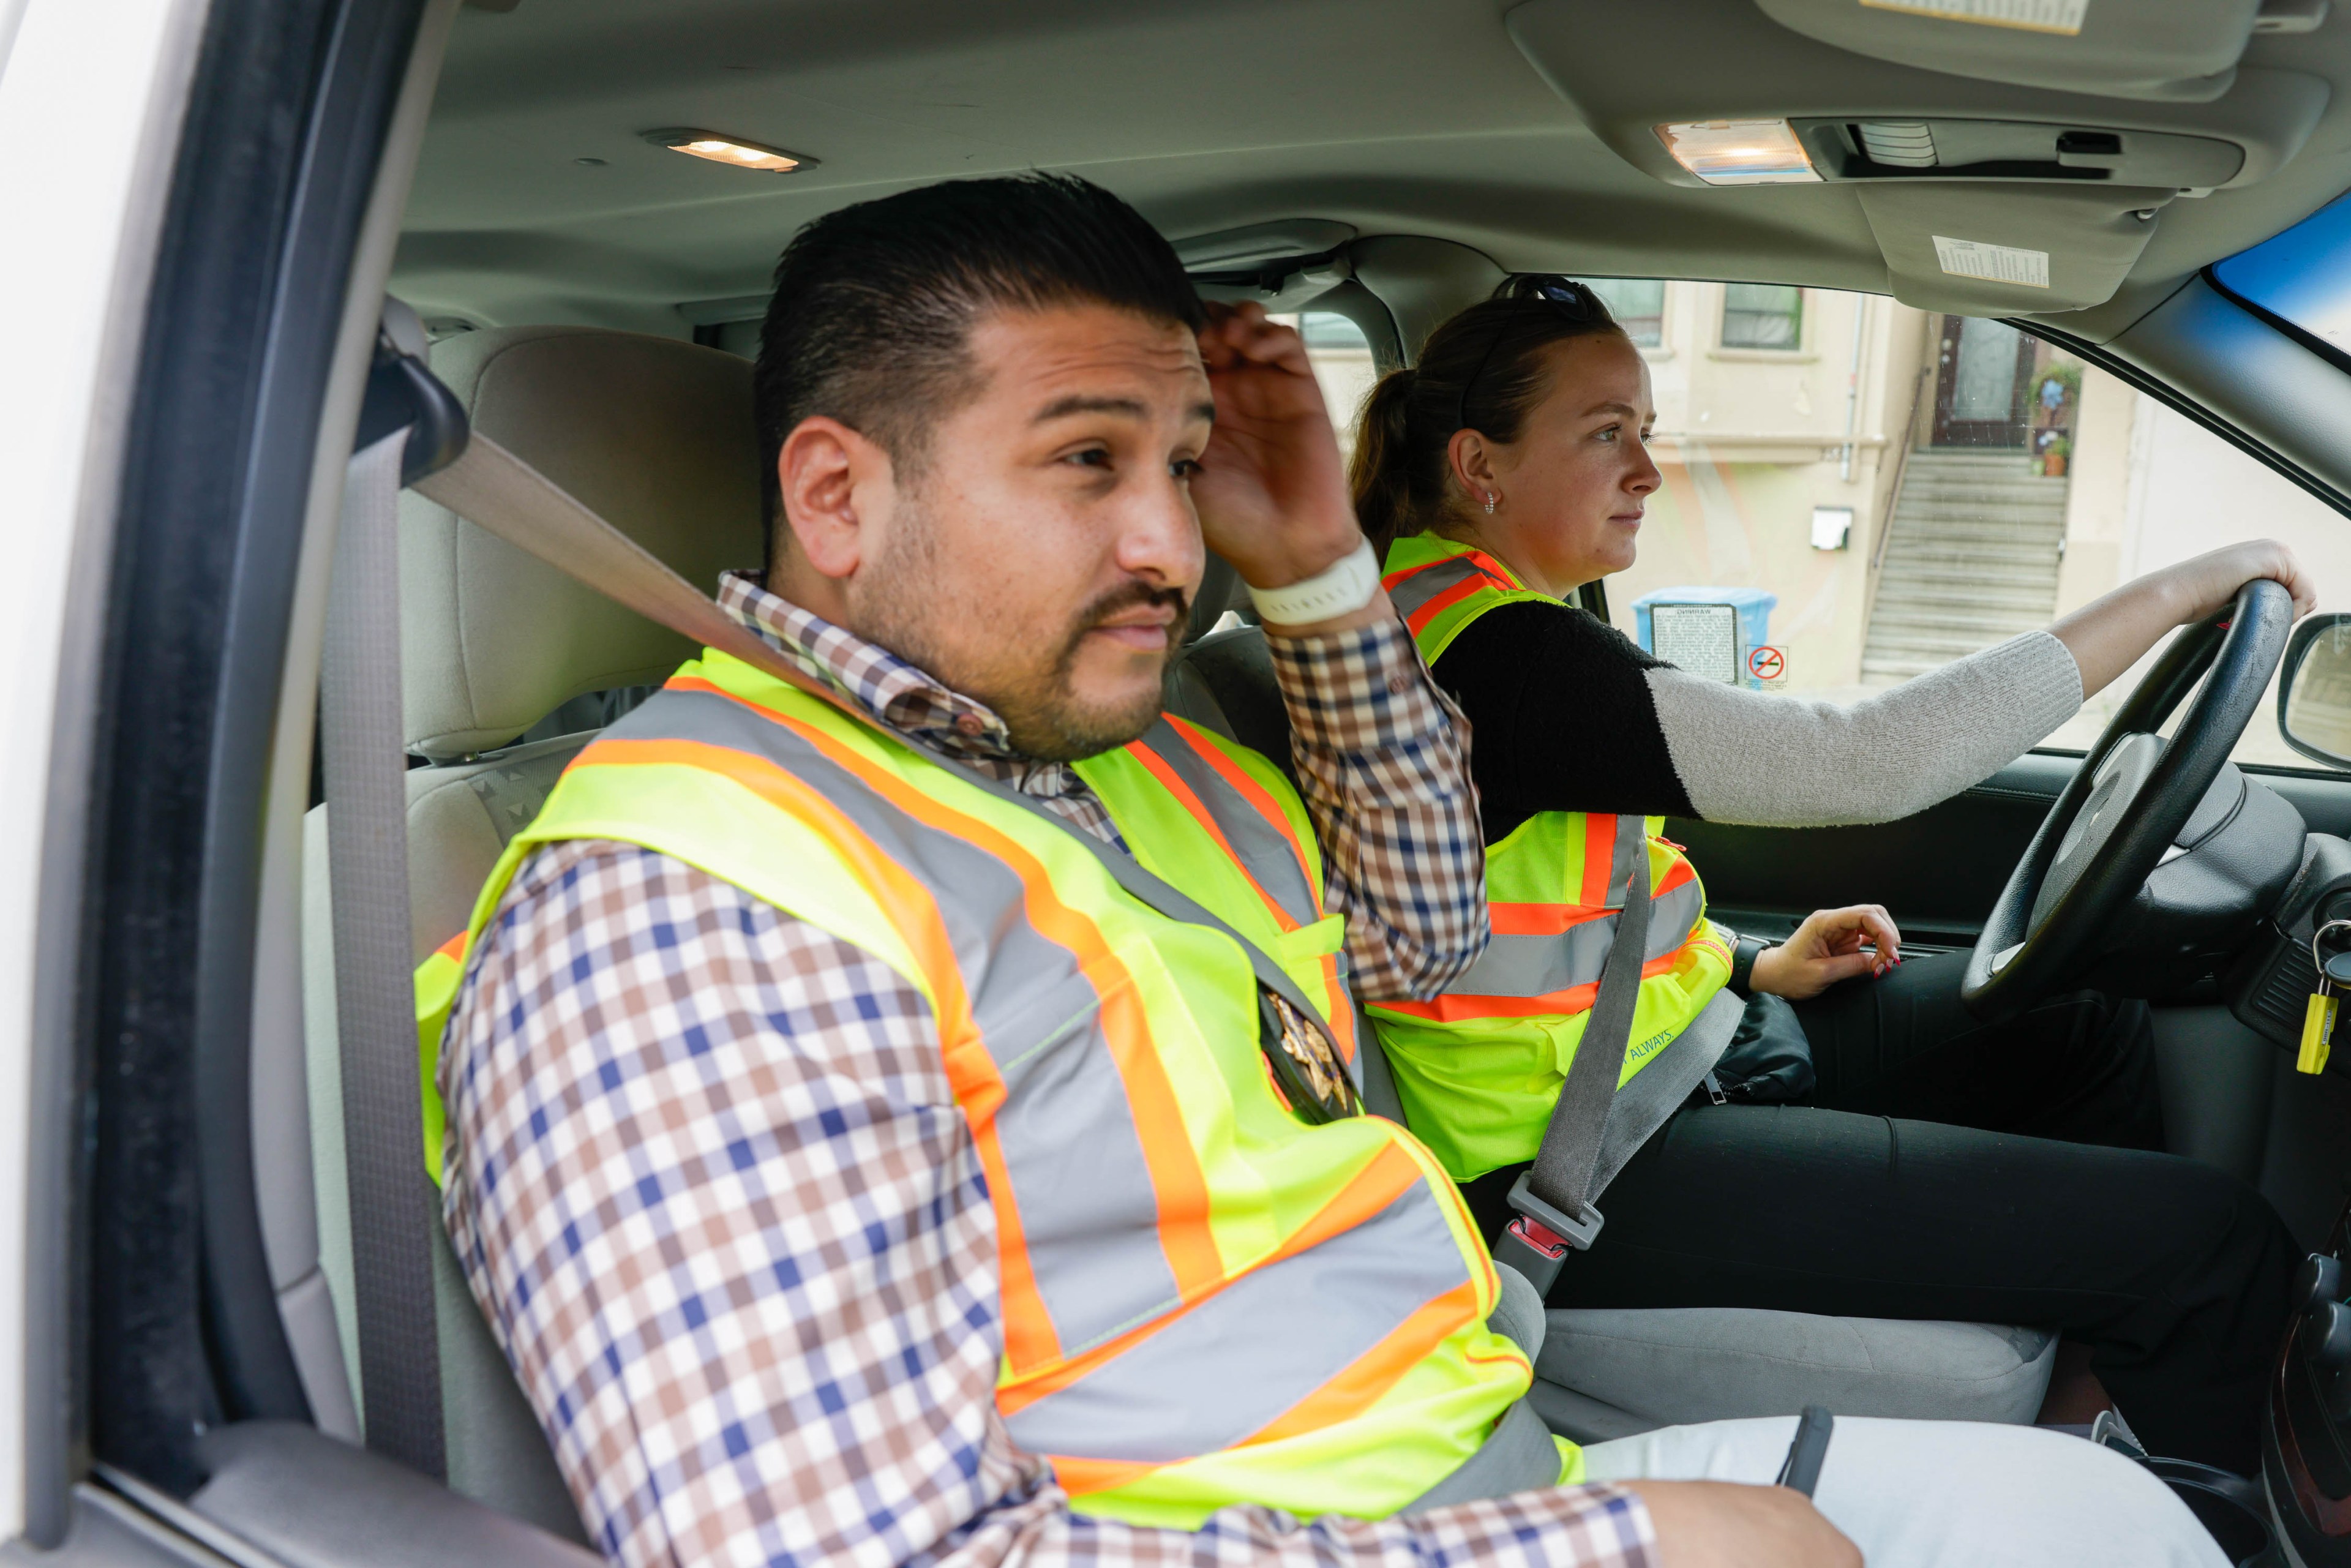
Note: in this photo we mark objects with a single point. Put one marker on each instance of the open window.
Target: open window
(1918, 485)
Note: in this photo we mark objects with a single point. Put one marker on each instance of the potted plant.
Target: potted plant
(2067, 389)
(2054, 456)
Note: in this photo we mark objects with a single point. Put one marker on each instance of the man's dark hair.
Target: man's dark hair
(875, 304)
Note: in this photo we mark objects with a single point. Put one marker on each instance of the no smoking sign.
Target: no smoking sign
(1767, 664)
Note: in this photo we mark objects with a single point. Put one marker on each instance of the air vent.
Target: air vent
(1898, 143)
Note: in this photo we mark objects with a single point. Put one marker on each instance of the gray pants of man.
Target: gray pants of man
(1911, 1494)
(1955, 1494)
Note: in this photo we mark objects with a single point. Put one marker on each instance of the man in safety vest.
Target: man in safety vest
(860, 1160)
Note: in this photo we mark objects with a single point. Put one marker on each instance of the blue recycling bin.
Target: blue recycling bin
(1708, 631)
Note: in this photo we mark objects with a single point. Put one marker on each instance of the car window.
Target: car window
(1342, 358)
(1855, 492)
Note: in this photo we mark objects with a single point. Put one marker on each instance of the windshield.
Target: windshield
(2300, 275)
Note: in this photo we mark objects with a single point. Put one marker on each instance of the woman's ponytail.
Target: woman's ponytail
(1377, 475)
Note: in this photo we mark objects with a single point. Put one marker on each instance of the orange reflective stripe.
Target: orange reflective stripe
(1535, 919)
(1080, 1476)
(1394, 579)
(1575, 1000)
(1342, 1018)
(1245, 785)
(1344, 1397)
(1543, 919)
(1177, 1181)
(1419, 619)
(1599, 855)
(1173, 782)
(1478, 559)
(1342, 1009)
(1385, 1177)
(1377, 1370)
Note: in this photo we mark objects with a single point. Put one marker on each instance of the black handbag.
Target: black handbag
(1767, 1062)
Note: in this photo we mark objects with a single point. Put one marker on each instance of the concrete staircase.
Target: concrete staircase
(1972, 560)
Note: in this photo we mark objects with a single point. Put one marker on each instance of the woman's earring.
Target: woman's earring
(1490, 499)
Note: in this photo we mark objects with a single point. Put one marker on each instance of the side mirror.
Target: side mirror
(2315, 690)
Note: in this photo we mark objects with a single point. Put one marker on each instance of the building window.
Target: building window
(1638, 303)
(1762, 316)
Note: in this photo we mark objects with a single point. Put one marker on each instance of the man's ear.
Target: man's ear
(837, 486)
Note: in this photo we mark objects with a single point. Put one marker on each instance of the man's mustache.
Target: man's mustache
(1128, 596)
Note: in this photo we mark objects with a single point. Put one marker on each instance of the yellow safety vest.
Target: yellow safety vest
(1480, 1067)
(1206, 1300)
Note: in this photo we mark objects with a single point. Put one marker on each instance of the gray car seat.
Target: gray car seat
(1610, 1374)
(657, 435)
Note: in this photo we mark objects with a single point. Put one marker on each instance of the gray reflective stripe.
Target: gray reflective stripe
(1429, 581)
(1263, 849)
(1272, 1337)
(1087, 1205)
(1538, 965)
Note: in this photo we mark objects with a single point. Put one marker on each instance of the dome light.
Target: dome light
(730, 150)
(1739, 151)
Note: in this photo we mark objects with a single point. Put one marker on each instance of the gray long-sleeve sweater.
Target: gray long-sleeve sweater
(1568, 714)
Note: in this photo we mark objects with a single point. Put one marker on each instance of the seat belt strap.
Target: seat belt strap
(1554, 1197)
(391, 1201)
(500, 493)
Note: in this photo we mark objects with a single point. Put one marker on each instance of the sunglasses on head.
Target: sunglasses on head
(1565, 294)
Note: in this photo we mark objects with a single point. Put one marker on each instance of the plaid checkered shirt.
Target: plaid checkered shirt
(710, 1185)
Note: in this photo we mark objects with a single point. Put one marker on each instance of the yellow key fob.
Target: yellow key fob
(2317, 1035)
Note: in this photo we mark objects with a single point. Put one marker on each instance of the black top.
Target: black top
(1561, 718)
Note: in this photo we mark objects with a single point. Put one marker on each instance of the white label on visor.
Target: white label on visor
(2062, 17)
(1993, 263)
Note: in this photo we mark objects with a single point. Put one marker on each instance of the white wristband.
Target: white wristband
(1341, 589)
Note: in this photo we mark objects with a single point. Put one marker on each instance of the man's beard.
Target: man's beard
(1024, 674)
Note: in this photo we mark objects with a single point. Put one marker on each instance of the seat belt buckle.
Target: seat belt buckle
(1538, 1241)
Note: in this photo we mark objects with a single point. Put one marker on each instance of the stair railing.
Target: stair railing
(1893, 496)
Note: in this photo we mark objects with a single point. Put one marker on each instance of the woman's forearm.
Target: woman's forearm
(2110, 633)
(1801, 762)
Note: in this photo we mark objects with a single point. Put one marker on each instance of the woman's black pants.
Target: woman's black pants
(1945, 1170)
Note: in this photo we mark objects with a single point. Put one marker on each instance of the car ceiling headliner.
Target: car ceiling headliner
(1395, 116)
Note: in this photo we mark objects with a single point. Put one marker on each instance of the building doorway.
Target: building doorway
(1982, 378)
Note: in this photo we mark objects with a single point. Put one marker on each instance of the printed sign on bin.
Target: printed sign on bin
(1767, 664)
(1710, 632)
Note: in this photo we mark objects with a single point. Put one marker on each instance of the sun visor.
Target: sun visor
(2007, 250)
(1871, 123)
(2185, 51)
(1230, 249)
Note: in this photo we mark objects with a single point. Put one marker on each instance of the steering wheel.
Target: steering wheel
(2116, 822)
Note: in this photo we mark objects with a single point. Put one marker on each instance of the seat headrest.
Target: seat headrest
(655, 434)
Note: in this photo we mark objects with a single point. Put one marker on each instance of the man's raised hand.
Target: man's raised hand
(1271, 495)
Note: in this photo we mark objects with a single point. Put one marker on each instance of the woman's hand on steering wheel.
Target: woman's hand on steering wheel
(2107, 635)
(1832, 945)
(2210, 580)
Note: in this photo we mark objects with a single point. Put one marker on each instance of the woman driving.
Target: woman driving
(1923, 1166)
